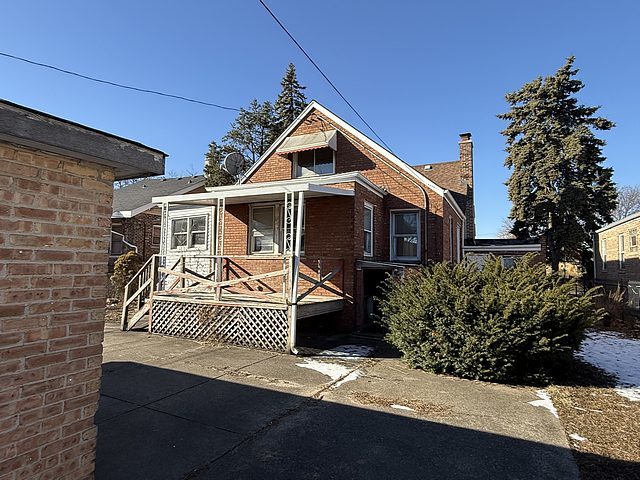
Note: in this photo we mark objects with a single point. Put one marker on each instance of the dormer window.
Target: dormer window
(319, 161)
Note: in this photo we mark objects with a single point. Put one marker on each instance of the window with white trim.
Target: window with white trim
(633, 240)
(621, 251)
(262, 229)
(405, 235)
(368, 230)
(188, 232)
(450, 238)
(603, 253)
(319, 161)
(155, 235)
(459, 242)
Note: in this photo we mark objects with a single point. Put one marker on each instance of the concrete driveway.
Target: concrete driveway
(176, 409)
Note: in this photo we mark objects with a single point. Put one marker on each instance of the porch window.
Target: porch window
(188, 232)
(117, 244)
(155, 235)
(603, 253)
(405, 239)
(262, 223)
(368, 230)
(320, 161)
(621, 251)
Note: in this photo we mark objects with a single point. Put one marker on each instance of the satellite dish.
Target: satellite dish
(234, 163)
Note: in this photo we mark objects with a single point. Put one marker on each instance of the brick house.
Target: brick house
(312, 228)
(135, 221)
(617, 258)
(56, 185)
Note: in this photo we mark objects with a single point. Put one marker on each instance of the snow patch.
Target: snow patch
(544, 402)
(576, 437)
(402, 407)
(617, 355)
(331, 370)
(352, 376)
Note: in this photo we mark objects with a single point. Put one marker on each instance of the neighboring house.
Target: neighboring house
(508, 249)
(364, 213)
(617, 258)
(56, 185)
(135, 221)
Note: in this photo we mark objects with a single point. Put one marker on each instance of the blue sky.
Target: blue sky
(419, 72)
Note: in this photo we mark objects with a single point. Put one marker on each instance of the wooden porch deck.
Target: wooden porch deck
(215, 303)
(309, 306)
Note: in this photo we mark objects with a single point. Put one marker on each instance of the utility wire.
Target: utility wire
(322, 73)
(119, 85)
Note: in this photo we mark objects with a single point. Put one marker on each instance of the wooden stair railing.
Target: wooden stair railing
(139, 290)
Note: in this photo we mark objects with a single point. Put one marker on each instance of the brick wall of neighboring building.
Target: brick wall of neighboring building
(607, 240)
(404, 191)
(138, 230)
(54, 237)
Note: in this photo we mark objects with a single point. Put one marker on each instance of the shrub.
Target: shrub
(498, 324)
(126, 266)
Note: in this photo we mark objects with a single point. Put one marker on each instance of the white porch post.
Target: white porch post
(295, 274)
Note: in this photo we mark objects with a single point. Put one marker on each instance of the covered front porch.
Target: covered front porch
(255, 275)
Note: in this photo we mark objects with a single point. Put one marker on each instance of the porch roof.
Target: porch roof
(273, 191)
(255, 193)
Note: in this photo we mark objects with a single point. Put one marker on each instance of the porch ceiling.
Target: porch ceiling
(253, 193)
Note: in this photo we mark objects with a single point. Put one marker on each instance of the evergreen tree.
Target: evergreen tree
(215, 175)
(291, 100)
(558, 187)
(252, 132)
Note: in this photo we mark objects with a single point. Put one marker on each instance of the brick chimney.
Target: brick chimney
(466, 176)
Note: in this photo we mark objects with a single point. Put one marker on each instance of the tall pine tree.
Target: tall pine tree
(253, 131)
(215, 175)
(291, 100)
(558, 186)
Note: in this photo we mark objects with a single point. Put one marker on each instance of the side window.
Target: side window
(603, 253)
(155, 235)
(621, 251)
(368, 230)
(405, 239)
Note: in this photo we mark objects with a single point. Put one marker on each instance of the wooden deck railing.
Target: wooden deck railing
(215, 273)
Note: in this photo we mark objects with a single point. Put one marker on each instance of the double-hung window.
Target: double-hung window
(320, 161)
(603, 253)
(368, 230)
(155, 235)
(262, 229)
(621, 251)
(633, 240)
(405, 236)
(188, 232)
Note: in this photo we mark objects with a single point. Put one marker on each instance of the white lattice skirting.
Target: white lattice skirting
(239, 325)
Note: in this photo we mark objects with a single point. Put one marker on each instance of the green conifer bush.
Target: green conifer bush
(496, 323)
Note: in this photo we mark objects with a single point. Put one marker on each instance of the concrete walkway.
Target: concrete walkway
(175, 409)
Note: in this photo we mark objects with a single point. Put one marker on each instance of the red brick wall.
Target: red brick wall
(404, 191)
(138, 230)
(54, 224)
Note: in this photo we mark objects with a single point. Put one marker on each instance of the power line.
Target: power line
(322, 73)
(119, 85)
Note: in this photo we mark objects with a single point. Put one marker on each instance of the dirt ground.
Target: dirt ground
(602, 427)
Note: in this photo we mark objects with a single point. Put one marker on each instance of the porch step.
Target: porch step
(139, 315)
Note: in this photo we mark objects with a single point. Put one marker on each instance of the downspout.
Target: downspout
(295, 273)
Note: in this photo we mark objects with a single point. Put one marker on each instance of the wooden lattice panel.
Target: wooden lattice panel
(250, 326)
